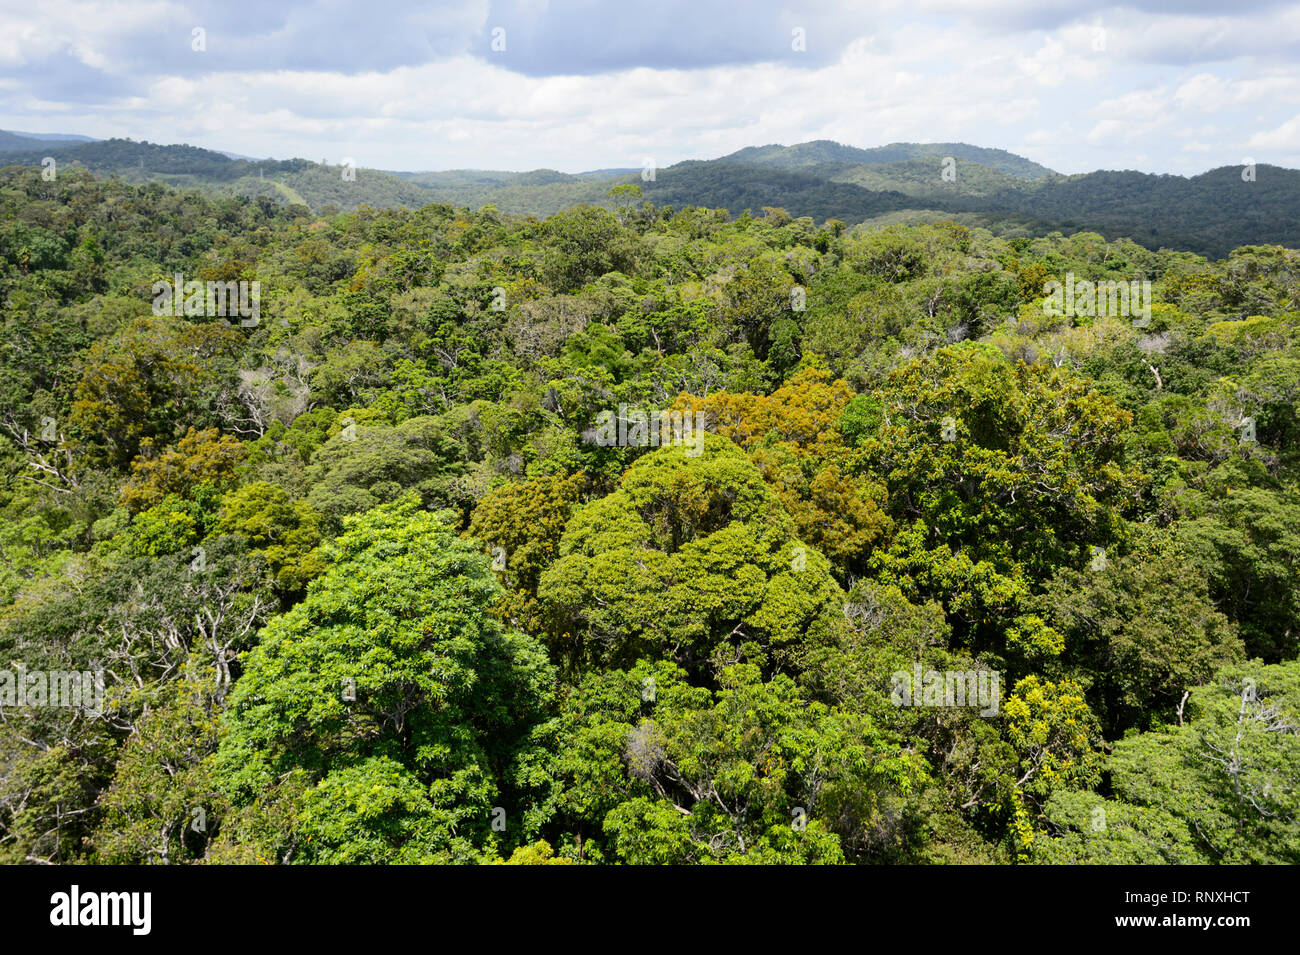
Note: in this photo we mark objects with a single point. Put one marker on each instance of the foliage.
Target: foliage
(365, 584)
(409, 710)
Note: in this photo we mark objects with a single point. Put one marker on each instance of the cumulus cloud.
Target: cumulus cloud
(1284, 138)
(576, 37)
(1171, 87)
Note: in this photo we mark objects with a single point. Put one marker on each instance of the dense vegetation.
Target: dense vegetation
(1210, 214)
(822, 151)
(364, 588)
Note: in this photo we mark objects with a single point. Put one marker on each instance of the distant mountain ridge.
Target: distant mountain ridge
(14, 141)
(821, 151)
(1209, 214)
(55, 137)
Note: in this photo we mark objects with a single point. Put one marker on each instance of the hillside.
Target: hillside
(822, 151)
(1209, 214)
(539, 192)
(190, 167)
(924, 177)
(13, 141)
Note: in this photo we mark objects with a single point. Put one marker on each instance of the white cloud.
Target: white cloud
(1027, 77)
(1283, 139)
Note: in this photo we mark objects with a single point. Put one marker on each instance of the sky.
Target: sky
(1166, 86)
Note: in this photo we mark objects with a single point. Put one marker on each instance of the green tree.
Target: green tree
(408, 712)
(284, 531)
(694, 557)
(1142, 628)
(1220, 787)
(657, 771)
(997, 474)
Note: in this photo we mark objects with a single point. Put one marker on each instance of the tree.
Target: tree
(520, 524)
(406, 710)
(692, 557)
(1142, 627)
(626, 195)
(586, 243)
(201, 457)
(793, 435)
(997, 474)
(368, 464)
(149, 381)
(164, 803)
(284, 531)
(1247, 539)
(657, 771)
(803, 412)
(1219, 787)
(1087, 829)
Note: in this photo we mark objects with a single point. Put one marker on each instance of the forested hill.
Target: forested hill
(30, 142)
(821, 151)
(316, 184)
(933, 561)
(1209, 214)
